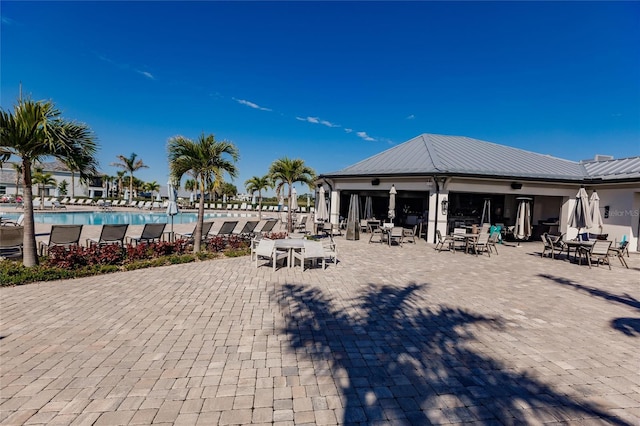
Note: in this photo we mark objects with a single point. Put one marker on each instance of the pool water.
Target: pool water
(114, 218)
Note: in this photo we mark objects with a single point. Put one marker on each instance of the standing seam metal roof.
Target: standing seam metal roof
(432, 154)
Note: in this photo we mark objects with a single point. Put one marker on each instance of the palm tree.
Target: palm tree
(130, 164)
(190, 185)
(203, 158)
(259, 184)
(119, 176)
(18, 169)
(36, 130)
(42, 179)
(151, 187)
(286, 171)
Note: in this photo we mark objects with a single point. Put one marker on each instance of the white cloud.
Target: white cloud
(328, 123)
(316, 120)
(348, 130)
(251, 104)
(411, 117)
(146, 74)
(363, 135)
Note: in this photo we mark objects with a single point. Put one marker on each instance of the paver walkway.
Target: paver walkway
(391, 335)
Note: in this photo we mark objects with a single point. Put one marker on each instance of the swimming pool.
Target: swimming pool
(109, 218)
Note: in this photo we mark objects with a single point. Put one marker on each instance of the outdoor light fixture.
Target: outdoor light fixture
(445, 206)
(516, 185)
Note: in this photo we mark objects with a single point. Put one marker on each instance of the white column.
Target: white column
(435, 215)
(335, 207)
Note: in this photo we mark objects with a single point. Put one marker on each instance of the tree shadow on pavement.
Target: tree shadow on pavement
(628, 326)
(396, 362)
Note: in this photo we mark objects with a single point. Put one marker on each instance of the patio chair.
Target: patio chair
(226, 228)
(444, 241)
(266, 227)
(547, 245)
(619, 252)
(330, 251)
(61, 235)
(396, 234)
(598, 252)
(312, 252)
(150, 233)
(301, 223)
(364, 225)
(11, 239)
(377, 233)
(494, 238)
(409, 234)
(481, 244)
(189, 236)
(110, 234)
(248, 228)
(266, 249)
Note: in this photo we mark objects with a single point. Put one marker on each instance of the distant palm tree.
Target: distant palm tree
(18, 169)
(130, 164)
(259, 184)
(190, 185)
(42, 180)
(286, 171)
(151, 187)
(203, 158)
(120, 176)
(36, 130)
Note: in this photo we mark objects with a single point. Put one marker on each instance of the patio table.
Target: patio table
(576, 245)
(290, 244)
(469, 240)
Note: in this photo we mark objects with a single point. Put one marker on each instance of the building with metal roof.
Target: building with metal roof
(443, 180)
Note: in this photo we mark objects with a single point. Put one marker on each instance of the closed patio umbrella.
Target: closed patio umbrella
(392, 202)
(580, 215)
(368, 208)
(594, 205)
(172, 206)
(294, 200)
(322, 213)
(522, 229)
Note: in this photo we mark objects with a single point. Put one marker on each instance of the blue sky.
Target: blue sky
(330, 82)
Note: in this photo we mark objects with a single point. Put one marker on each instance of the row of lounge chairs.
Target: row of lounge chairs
(69, 235)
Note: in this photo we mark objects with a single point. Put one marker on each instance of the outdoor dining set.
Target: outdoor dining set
(592, 248)
(485, 240)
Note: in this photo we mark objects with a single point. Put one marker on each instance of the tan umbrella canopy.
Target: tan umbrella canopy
(522, 230)
(580, 215)
(594, 207)
(322, 213)
(294, 200)
(392, 202)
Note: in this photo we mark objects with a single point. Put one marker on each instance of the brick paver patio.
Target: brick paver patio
(391, 335)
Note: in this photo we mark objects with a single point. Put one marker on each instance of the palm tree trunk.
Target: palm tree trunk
(29, 249)
(197, 238)
(73, 185)
(259, 205)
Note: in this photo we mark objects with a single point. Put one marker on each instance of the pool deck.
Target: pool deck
(390, 335)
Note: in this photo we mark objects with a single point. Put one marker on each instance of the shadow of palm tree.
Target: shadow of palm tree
(628, 326)
(396, 362)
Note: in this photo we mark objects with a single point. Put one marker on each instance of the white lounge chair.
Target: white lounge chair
(266, 249)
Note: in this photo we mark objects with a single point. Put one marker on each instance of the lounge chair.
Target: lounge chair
(313, 251)
(266, 249)
(58, 205)
(61, 235)
(248, 228)
(227, 228)
(11, 239)
(447, 241)
(206, 227)
(598, 252)
(110, 234)
(150, 233)
(267, 227)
